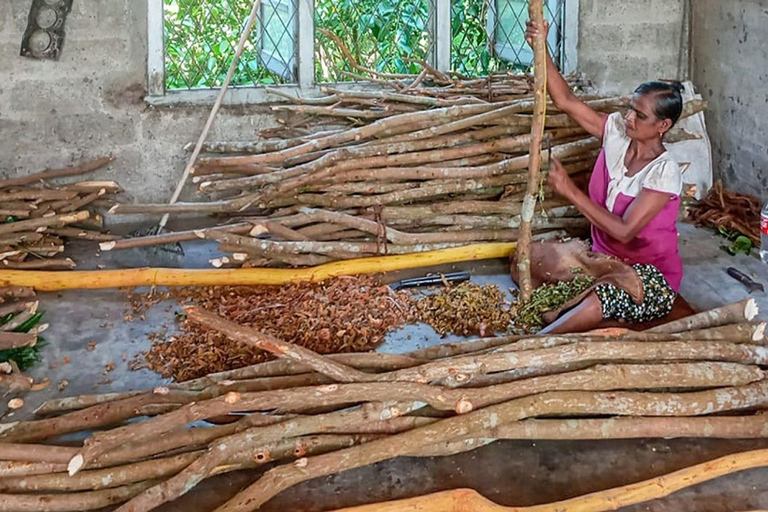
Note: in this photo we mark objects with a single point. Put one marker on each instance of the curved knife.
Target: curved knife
(745, 280)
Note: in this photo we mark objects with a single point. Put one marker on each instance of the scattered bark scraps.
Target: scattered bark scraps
(467, 309)
(729, 210)
(142, 302)
(345, 314)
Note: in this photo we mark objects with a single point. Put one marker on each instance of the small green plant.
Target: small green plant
(738, 242)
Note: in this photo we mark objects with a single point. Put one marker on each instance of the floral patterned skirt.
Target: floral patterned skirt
(658, 297)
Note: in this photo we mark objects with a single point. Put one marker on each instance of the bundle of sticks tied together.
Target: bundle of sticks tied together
(314, 415)
(416, 171)
(39, 217)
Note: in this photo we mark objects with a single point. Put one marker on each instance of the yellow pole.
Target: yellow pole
(129, 278)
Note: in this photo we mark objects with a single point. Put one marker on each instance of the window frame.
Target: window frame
(306, 86)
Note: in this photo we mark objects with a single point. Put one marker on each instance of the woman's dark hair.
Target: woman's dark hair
(668, 96)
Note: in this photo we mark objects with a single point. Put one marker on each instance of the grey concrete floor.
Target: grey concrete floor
(509, 473)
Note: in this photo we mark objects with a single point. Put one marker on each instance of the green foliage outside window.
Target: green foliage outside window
(201, 36)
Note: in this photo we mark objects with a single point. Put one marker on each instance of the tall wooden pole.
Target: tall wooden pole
(536, 13)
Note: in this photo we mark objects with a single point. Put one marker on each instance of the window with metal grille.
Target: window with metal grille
(304, 42)
(387, 36)
(201, 37)
(489, 36)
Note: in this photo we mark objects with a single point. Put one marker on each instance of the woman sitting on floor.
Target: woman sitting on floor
(633, 201)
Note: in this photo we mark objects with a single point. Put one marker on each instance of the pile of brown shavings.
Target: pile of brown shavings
(466, 309)
(344, 314)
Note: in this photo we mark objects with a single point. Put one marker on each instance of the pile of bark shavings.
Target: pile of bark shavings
(466, 309)
(345, 314)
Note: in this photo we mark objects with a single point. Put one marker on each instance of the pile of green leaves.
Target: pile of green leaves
(739, 243)
(528, 317)
(24, 357)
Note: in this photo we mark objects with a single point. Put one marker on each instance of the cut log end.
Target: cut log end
(75, 464)
(751, 310)
(107, 246)
(759, 334)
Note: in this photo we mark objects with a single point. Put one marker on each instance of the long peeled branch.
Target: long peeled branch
(606, 377)
(57, 221)
(36, 453)
(168, 238)
(277, 347)
(374, 129)
(737, 427)
(93, 500)
(100, 478)
(464, 368)
(44, 264)
(734, 313)
(536, 13)
(10, 340)
(548, 404)
(76, 170)
(252, 441)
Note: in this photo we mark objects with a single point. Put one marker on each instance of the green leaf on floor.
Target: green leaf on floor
(739, 243)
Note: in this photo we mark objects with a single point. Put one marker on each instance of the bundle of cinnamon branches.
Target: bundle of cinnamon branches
(37, 217)
(310, 415)
(414, 173)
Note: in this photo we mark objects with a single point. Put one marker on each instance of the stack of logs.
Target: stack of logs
(318, 415)
(415, 172)
(37, 217)
(18, 306)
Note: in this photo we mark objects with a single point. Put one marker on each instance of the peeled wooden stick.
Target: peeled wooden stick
(110, 187)
(252, 441)
(57, 221)
(738, 312)
(16, 468)
(10, 340)
(381, 127)
(166, 238)
(14, 307)
(463, 369)
(44, 264)
(280, 348)
(736, 427)
(93, 500)
(99, 478)
(18, 238)
(272, 373)
(547, 404)
(36, 453)
(76, 170)
(81, 234)
(536, 13)
(604, 377)
(16, 292)
(107, 413)
(612, 499)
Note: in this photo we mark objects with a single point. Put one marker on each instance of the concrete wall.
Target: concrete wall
(730, 52)
(623, 43)
(89, 103)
